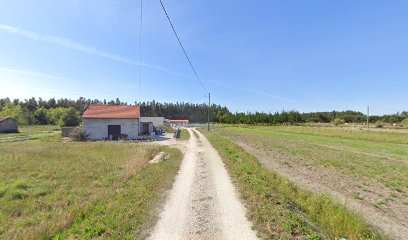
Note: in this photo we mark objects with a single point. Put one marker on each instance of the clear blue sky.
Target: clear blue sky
(252, 55)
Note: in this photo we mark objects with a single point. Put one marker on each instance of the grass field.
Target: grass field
(379, 156)
(32, 132)
(369, 167)
(66, 190)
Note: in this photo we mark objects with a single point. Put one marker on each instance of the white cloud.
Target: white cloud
(70, 44)
(254, 91)
(34, 75)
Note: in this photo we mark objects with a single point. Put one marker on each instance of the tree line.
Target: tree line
(67, 112)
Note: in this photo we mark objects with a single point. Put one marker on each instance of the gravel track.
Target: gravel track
(203, 203)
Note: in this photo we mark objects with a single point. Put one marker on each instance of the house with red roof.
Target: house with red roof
(114, 122)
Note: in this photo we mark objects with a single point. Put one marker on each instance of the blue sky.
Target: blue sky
(251, 55)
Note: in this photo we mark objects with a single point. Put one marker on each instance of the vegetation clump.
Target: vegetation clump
(79, 135)
(338, 121)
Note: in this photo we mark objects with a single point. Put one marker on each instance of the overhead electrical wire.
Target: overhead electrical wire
(184, 51)
(140, 46)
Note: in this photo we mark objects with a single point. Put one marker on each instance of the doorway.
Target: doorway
(114, 132)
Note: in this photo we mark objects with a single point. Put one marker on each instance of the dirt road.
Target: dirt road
(203, 203)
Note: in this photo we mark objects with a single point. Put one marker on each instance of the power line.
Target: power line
(181, 45)
(140, 45)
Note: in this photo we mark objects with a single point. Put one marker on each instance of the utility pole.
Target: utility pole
(368, 116)
(208, 112)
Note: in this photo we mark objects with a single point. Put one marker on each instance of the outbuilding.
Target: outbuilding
(112, 122)
(8, 125)
(158, 122)
(178, 123)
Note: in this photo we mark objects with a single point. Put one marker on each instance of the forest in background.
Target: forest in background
(67, 112)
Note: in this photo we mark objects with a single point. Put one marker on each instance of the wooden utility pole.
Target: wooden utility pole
(368, 116)
(208, 112)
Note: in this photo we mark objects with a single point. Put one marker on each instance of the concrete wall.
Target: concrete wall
(66, 131)
(98, 128)
(157, 121)
(8, 125)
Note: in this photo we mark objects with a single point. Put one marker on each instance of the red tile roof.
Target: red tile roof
(111, 111)
(2, 119)
(178, 121)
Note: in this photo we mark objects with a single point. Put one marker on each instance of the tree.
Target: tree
(40, 116)
(54, 115)
(14, 111)
(70, 118)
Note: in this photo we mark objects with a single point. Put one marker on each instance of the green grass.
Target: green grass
(282, 210)
(353, 153)
(184, 135)
(31, 132)
(68, 190)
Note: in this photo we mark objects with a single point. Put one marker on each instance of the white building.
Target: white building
(157, 121)
(112, 122)
(178, 123)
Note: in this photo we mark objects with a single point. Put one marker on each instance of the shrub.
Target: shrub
(405, 122)
(379, 124)
(79, 135)
(338, 121)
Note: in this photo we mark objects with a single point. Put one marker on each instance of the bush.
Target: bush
(379, 124)
(70, 118)
(338, 121)
(79, 136)
(40, 116)
(405, 122)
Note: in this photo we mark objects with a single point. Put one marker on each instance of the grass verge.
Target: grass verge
(67, 190)
(184, 135)
(279, 208)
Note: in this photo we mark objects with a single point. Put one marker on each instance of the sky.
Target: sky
(251, 55)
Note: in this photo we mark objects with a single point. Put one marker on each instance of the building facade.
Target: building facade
(111, 122)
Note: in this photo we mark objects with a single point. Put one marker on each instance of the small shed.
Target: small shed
(8, 125)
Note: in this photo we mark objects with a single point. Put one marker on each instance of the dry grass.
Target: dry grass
(80, 190)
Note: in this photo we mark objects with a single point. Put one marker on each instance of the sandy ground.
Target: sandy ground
(203, 203)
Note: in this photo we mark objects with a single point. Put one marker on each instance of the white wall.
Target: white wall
(157, 121)
(98, 128)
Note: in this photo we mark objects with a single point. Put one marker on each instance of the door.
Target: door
(114, 132)
(145, 128)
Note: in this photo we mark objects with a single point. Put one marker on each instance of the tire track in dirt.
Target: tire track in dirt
(203, 203)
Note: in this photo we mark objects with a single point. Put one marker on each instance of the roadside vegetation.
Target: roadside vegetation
(70, 190)
(282, 210)
(184, 135)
